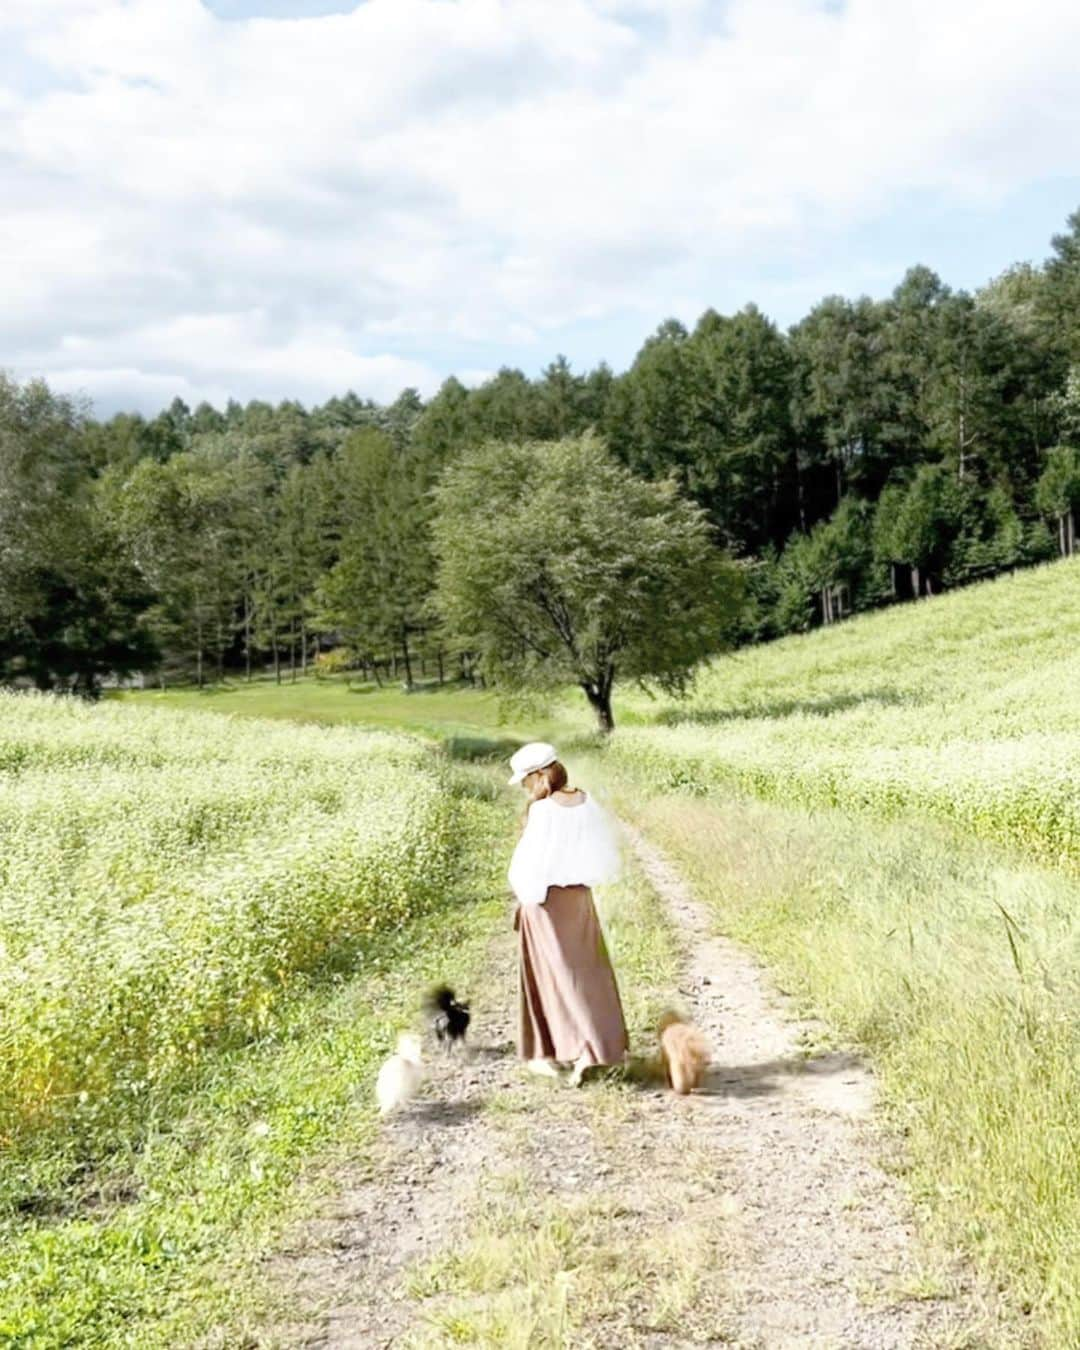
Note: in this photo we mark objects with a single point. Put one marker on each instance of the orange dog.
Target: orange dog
(684, 1053)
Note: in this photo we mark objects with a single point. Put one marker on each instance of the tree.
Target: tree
(1059, 299)
(506, 407)
(561, 397)
(741, 460)
(990, 536)
(71, 603)
(648, 416)
(85, 622)
(185, 522)
(558, 565)
(840, 402)
(444, 427)
(1058, 494)
(917, 525)
(376, 594)
(829, 566)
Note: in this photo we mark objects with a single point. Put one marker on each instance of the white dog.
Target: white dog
(400, 1076)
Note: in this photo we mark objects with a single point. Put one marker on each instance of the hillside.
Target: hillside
(964, 707)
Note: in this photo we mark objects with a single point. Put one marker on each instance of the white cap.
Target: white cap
(535, 755)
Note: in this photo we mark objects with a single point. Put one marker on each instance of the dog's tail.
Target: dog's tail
(440, 1000)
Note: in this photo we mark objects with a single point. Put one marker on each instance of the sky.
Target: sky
(293, 198)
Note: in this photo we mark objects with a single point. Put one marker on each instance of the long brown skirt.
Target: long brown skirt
(569, 1002)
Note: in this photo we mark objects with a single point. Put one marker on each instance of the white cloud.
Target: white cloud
(288, 208)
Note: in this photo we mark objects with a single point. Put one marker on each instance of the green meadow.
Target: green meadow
(202, 912)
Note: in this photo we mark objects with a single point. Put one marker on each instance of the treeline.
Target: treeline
(879, 450)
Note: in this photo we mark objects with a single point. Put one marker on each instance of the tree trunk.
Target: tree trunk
(303, 647)
(599, 695)
(442, 673)
(247, 636)
(916, 586)
(405, 656)
(277, 658)
(375, 672)
(800, 491)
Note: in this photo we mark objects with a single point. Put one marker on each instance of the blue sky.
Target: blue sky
(289, 198)
(278, 9)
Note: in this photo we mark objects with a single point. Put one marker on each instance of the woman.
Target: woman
(569, 1009)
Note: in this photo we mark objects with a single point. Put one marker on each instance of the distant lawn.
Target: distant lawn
(442, 712)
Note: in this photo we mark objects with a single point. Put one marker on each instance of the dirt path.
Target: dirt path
(753, 1214)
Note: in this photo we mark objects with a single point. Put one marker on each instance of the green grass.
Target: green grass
(965, 708)
(161, 1241)
(168, 879)
(208, 928)
(909, 866)
(449, 712)
(957, 967)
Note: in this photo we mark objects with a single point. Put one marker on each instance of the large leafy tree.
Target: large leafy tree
(557, 565)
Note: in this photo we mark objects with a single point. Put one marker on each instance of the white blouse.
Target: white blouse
(563, 846)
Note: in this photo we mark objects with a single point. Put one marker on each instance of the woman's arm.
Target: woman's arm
(527, 876)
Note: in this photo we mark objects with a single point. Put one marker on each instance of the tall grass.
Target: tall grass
(965, 708)
(165, 881)
(958, 968)
(208, 931)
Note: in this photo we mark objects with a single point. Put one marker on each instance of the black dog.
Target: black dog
(449, 1018)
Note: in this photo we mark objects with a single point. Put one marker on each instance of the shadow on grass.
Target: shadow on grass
(446, 1113)
(417, 689)
(492, 1052)
(781, 708)
(480, 749)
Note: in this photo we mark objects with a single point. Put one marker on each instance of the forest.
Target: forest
(876, 452)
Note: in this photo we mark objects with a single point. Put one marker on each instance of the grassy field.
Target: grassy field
(889, 811)
(459, 715)
(956, 966)
(965, 709)
(207, 928)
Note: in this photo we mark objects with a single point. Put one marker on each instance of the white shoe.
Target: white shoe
(578, 1072)
(543, 1068)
